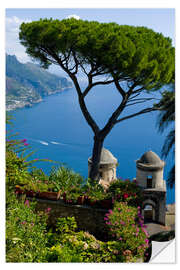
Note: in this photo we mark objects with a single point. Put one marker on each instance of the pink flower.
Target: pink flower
(108, 223)
(146, 240)
(24, 222)
(48, 210)
(25, 144)
(137, 234)
(122, 222)
(120, 238)
(27, 203)
(24, 140)
(110, 211)
(105, 218)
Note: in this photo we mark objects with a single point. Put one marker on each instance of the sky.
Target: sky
(158, 19)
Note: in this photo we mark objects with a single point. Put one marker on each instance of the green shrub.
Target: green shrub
(126, 191)
(66, 225)
(39, 175)
(16, 170)
(25, 231)
(64, 179)
(81, 247)
(126, 226)
(93, 190)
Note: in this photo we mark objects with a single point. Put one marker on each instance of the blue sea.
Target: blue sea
(56, 130)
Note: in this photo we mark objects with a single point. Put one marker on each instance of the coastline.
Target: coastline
(20, 104)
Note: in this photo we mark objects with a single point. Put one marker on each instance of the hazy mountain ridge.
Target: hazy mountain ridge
(28, 83)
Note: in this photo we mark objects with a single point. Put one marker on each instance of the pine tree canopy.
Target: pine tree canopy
(122, 52)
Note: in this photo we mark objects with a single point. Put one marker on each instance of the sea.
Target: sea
(56, 130)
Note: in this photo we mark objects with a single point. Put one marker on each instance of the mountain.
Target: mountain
(28, 83)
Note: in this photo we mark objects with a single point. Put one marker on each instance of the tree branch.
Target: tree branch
(136, 114)
(88, 88)
(138, 90)
(119, 88)
(83, 107)
(112, 120)
(82, 104)
(132, 97)
(139, 100)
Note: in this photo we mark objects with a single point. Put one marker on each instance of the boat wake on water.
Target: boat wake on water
(42, 142)
(39, 141)
(57, 143)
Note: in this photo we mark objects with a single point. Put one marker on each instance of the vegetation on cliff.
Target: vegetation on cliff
(29, 83)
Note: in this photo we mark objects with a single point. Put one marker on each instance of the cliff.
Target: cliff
(28, 83)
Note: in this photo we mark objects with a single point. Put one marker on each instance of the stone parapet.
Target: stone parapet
(88, 218)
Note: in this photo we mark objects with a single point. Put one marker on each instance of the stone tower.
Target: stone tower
(149, 175)
(107, 167)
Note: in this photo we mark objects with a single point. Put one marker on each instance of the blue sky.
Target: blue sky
(158, 19)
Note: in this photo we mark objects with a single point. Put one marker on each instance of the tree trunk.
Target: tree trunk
(94, 170)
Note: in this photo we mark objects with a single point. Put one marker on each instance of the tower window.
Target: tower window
(149, 181)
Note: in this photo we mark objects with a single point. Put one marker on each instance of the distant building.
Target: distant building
(149, 176)
(107, 167)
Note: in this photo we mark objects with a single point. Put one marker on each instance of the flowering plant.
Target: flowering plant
(25, 231)
(126, 226)
(126, 191)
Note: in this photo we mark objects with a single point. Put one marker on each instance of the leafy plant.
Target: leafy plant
(126, 226)
(126, 191)
(25, 231)
(66, 225)
(81, 247)
(64, 179)
(93, 190)
(16, 170)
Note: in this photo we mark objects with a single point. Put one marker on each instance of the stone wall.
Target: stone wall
(158, 201)
(88, 218)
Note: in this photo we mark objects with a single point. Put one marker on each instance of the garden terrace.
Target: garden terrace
(87, 218)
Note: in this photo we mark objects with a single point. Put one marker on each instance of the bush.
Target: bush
(64, 178)
(126, 226)
(16, 170)
(72, 246)
(25, 231)
(126, 191)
